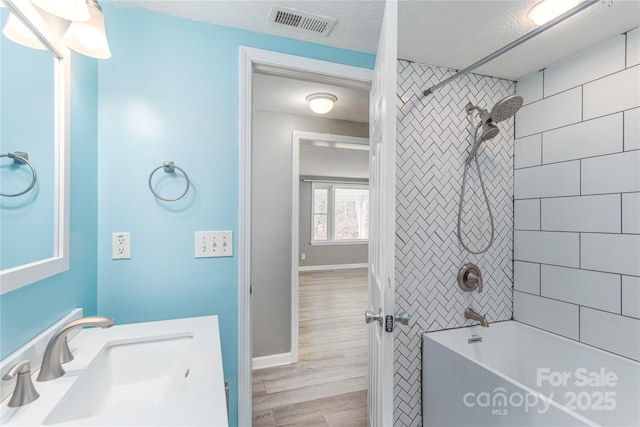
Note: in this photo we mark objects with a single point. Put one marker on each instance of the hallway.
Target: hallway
(328, 386)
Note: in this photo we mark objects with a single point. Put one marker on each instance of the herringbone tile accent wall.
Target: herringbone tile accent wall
(434, 137)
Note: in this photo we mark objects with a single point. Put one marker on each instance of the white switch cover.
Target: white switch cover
(121, 245)
(208, 244)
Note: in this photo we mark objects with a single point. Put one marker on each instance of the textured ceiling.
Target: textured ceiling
(357, 28)
(455, 34)
(445, 33)
(282, 95)
(449, 33)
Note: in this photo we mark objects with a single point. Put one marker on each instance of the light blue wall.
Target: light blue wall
(170, 92)
(27, 95)
(26, 312)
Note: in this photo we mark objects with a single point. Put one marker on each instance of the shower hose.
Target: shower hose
(486, 199)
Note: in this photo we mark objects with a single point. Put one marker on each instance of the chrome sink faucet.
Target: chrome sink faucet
(51, 362)
(24, 392)
(471, 314)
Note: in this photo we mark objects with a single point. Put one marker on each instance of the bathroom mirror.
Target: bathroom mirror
(34, 112)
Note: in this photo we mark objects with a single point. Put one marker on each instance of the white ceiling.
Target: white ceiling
(446, 33)
(455, 33)
(282, 95)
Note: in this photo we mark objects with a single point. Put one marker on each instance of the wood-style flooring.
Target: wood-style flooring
(328, 386)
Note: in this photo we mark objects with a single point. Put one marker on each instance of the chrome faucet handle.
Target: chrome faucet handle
(470, 277)
(24, 391)
(54, 353)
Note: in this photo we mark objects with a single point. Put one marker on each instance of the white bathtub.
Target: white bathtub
(523, 376)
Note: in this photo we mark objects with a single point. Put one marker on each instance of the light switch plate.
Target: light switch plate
(209, 244)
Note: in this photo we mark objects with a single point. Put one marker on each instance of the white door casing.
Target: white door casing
(382, 158)
(288, 66)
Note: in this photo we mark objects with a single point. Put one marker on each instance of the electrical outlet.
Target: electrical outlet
(209, 244)
(303, 256)
(121, 245)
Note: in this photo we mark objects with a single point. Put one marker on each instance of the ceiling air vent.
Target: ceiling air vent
(305, 21)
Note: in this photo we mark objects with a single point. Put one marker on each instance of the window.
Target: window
(340, 213)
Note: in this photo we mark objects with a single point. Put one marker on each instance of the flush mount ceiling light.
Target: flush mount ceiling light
(71, 10)
(89, 38)
(321, 103)
(17, 32)
(546, 10)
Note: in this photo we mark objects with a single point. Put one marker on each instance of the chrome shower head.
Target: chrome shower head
(506, 107)
(489, 131)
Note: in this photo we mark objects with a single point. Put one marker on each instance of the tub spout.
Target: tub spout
(471, 314)
(51, 362)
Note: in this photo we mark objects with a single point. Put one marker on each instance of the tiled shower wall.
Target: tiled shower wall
(577, 198)
(433, 139)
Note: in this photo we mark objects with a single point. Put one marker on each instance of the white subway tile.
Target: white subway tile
(615, 173)
(614, 253)
(617, 92)
(583, 213)
(559, 110)
(547, 247)
(530, 87)
(528, 151)
(631, 213)
(554, 316)
(589, 288)
(632, 129)
(617, 334)
(631, 296)
(591, 138)
(601, 60)
(526, 277)
(633, 47)
(560, 179)
(526, 214)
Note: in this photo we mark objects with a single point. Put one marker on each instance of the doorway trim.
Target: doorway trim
(273, 63)
(296, 137)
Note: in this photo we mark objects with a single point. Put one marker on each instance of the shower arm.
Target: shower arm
(517, 42)
(482, 113)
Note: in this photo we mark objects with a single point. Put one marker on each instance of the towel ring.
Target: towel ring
(21, 159)
(169, 167)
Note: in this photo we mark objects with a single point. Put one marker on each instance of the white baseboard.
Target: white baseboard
(331, 267)
(271, 361)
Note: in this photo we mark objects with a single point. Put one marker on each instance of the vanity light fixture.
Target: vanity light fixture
(321, 103)
(546, 10)
(71, 10)
(17, 32)
(89, 37)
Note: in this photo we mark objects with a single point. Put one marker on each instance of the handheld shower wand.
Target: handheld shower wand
(486, 129)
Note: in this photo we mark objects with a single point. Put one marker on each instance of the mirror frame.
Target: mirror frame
(23, 275)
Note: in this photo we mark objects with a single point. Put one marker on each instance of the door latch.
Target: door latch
(388, 323)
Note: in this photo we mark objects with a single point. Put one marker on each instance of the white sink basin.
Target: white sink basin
(128, 375)
(163, 373)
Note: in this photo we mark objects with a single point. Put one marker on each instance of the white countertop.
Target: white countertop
(203, 402)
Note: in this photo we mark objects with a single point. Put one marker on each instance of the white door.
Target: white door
(382, 133)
